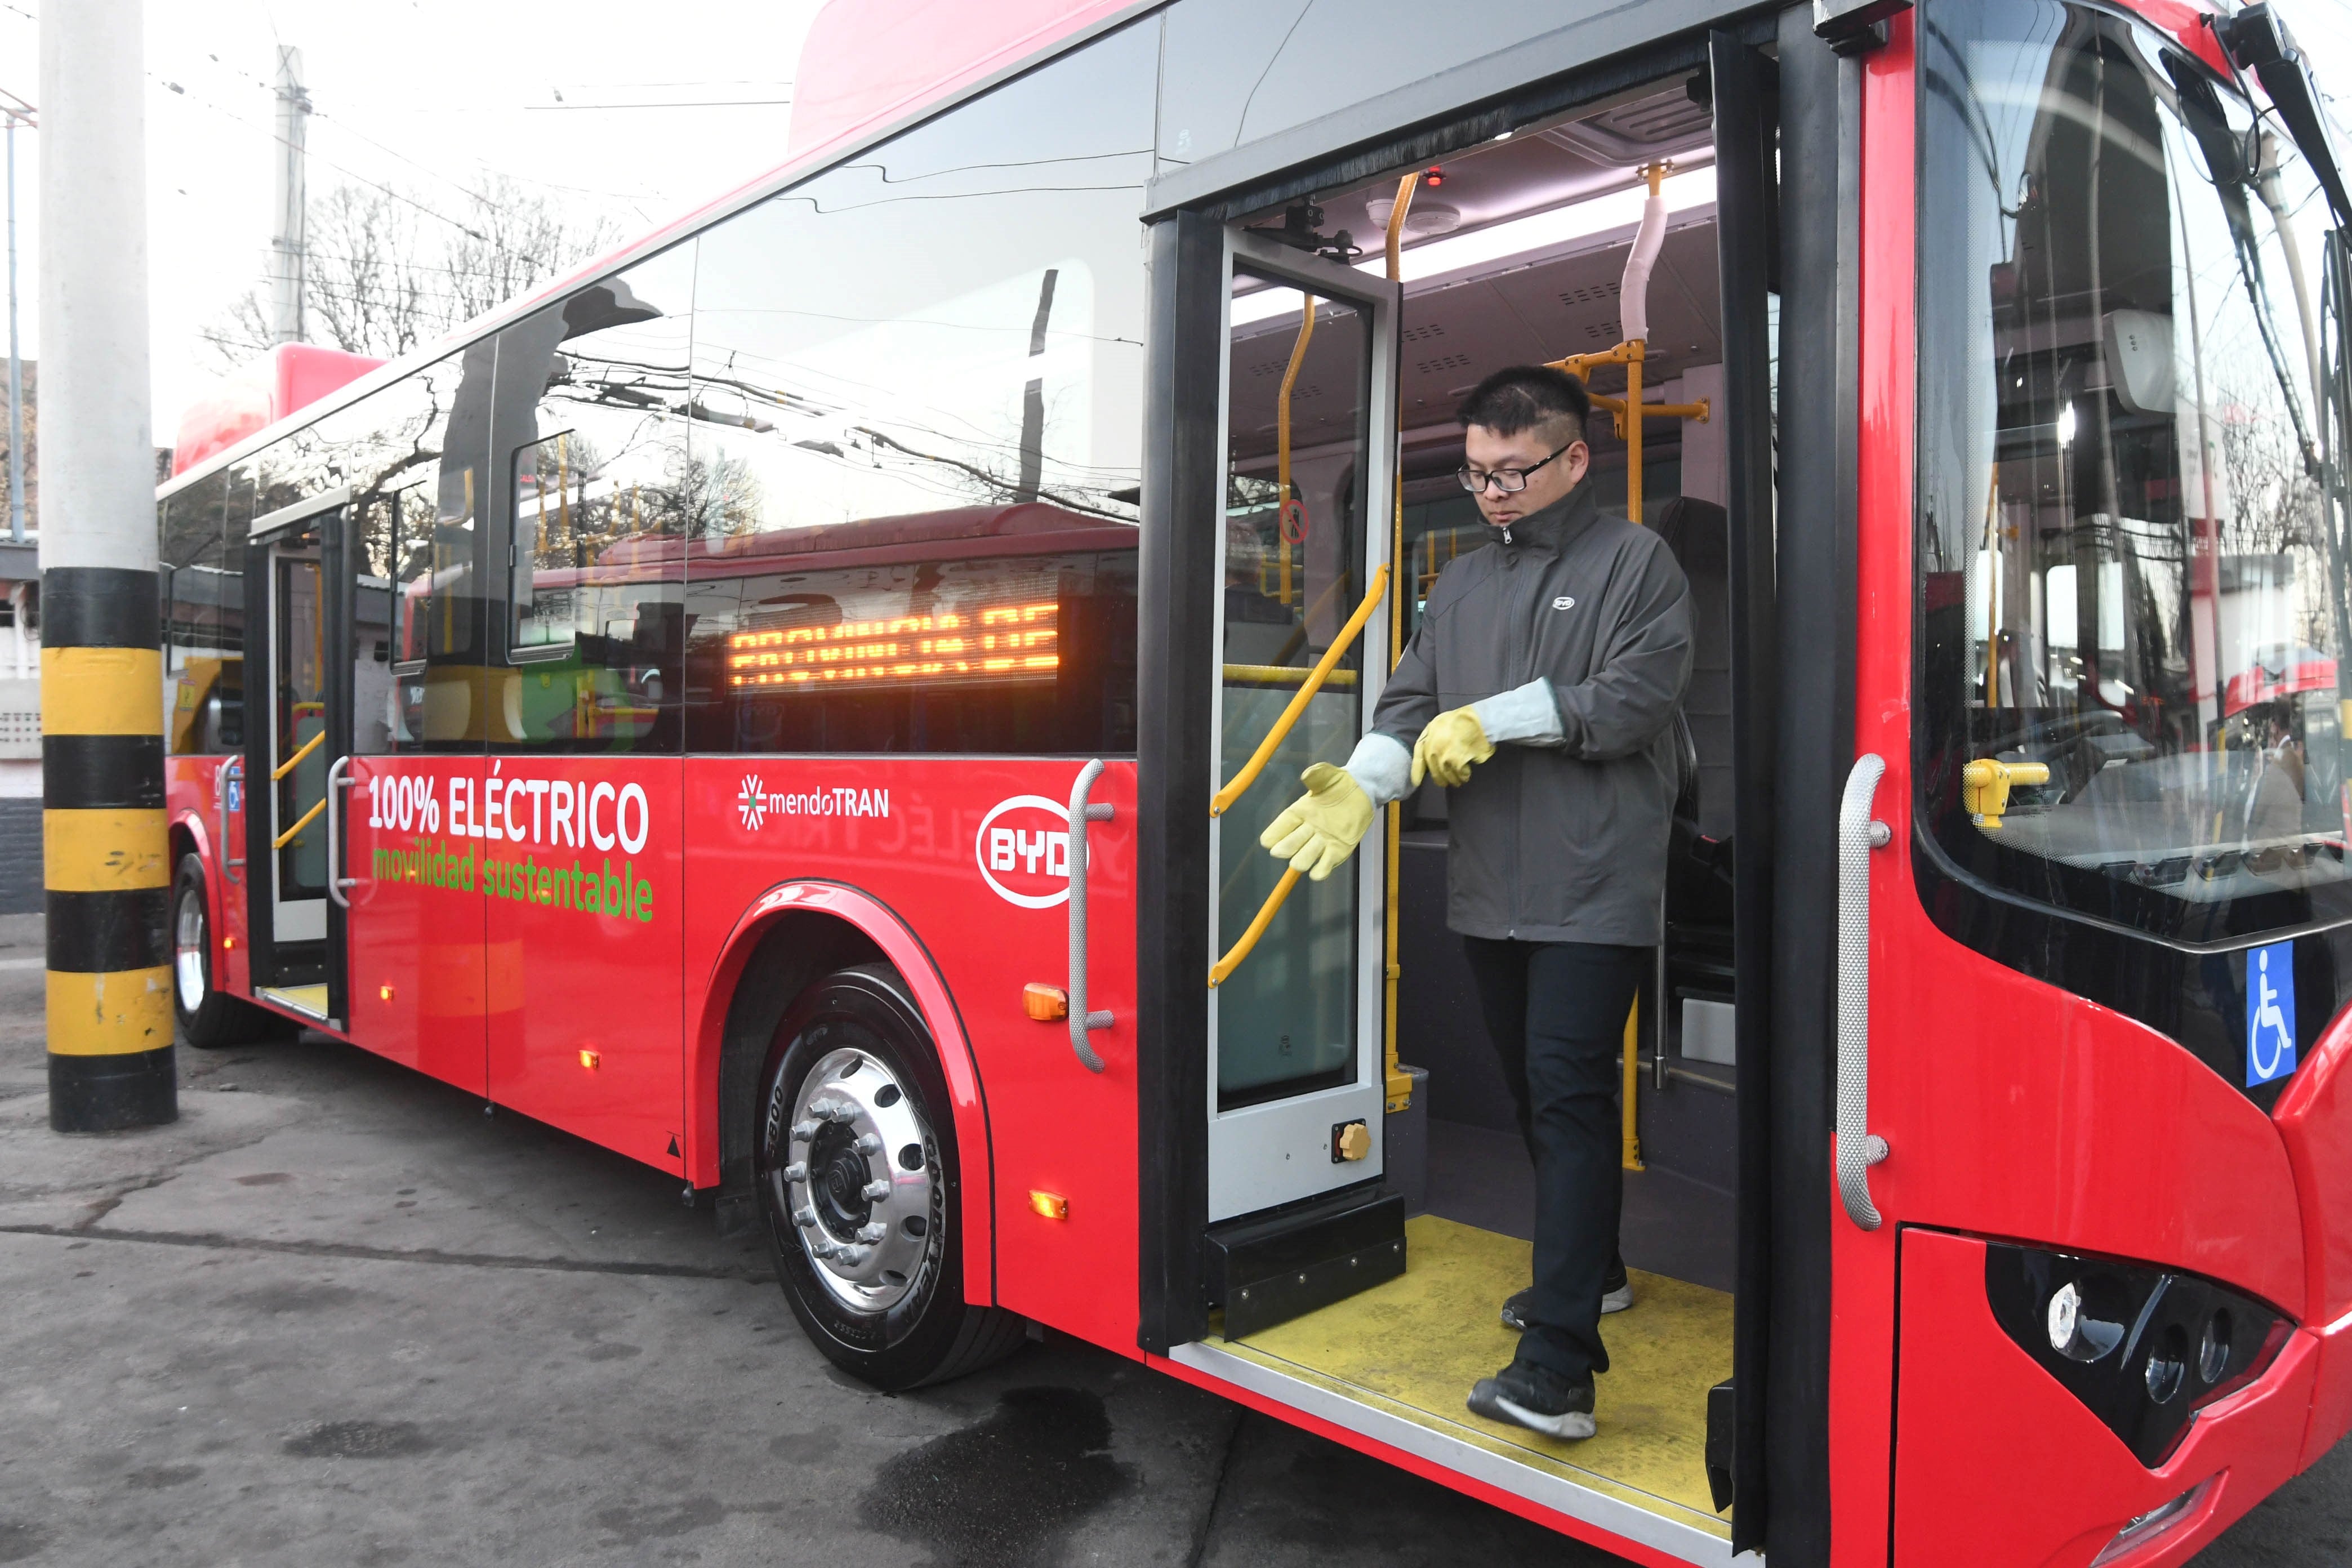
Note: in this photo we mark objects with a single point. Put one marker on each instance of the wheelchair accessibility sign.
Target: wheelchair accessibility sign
(2269, 1012)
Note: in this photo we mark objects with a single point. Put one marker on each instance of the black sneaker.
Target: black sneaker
(1616, 1295)
(1536, 1398)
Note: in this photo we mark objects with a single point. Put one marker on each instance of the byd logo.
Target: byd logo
(1023, 850)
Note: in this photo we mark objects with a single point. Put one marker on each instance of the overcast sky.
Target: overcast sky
(459, 87)
(423, 95)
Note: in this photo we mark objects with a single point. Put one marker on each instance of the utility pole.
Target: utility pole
(104, 858)
(17, 110)
(288, 248)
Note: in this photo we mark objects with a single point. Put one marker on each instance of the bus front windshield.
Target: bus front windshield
(2132, 549)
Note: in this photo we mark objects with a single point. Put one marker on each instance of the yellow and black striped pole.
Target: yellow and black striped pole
(103, 843)
(103, 851)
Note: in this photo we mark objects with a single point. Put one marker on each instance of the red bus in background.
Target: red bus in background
(795, 704)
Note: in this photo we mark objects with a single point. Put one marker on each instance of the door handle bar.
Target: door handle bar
(290, 764)
(1306, 689)
(1858, 835)
(336, 880)
(232, 768)
(1082, 812)
(1221, 971)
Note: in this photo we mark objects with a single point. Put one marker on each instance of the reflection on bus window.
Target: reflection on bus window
(2132, 616)
(954, 319)
(978, 629)
(602, 488)
(202, 580)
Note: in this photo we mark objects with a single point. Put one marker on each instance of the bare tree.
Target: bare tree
(388, 273)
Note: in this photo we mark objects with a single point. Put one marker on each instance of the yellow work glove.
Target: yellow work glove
(1450, 743)
(1317, 832)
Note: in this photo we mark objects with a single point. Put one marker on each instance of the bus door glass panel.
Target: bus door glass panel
(2134, 590)
(1296, 1024)
(580, 863)
(298, 746)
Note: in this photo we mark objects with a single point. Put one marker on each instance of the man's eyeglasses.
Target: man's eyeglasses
(1510, 481)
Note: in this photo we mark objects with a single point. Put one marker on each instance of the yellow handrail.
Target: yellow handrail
(289, 766)
(283, 839)
(1396, 1082)
(1307, 688)
(1284, 674)
(1225, 966)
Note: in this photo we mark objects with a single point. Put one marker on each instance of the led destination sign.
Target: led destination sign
(1006, 642)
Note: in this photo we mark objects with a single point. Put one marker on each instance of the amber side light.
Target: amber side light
(1044, 1002)
(386, 993)
(592, 1060)
(1052, 1206)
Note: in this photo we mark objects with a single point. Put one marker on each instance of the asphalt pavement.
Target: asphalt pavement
(335, 1314)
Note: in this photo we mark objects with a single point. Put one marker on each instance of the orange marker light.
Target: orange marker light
(591, 1061)
(386, 993)
(1053, 1205)
(1044, 1002)
(228, 942)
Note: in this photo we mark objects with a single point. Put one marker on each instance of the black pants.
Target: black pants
(1557, 1014)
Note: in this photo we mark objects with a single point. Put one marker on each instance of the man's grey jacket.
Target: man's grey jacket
(1559, 836)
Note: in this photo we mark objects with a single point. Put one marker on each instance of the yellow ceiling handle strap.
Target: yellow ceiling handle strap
(1306, 689)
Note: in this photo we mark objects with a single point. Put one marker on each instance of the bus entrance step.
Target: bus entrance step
(1268, 1268)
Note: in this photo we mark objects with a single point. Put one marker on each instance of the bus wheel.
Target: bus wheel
(857, 1167)
(207, 1017)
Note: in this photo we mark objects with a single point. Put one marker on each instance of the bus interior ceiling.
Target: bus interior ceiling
(1542, 223)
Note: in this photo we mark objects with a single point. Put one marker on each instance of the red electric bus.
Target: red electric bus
(795, 704)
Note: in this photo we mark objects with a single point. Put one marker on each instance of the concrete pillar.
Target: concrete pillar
(105, 862)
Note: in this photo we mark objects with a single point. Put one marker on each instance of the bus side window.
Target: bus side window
(597, 489)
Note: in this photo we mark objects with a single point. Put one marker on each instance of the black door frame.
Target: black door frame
(302, 962)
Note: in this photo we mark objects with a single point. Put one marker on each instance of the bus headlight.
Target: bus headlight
(2144, 1349)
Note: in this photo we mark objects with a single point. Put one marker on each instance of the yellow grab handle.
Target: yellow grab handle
(290, 764)
(1306, 689)
(1286, 674)
(1224, 967)
(283, 839)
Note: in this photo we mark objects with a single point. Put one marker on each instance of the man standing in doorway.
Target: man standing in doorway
(1540, 687)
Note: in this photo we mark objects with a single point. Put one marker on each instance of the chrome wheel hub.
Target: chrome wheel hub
(188, 948)
(859, 1185)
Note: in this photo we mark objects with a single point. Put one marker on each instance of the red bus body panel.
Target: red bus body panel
(910, 834)
(419, 992)
(2015, 1109)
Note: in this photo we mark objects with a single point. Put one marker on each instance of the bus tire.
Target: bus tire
(206, 1016)
(852, 1097)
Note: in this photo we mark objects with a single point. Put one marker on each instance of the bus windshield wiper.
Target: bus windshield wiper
(2257, 40)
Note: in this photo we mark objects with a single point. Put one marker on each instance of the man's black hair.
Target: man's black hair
(1522, 396)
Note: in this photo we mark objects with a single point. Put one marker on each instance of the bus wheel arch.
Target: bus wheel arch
(793, 937)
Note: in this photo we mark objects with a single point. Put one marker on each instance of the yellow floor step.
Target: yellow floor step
(1412, 1347)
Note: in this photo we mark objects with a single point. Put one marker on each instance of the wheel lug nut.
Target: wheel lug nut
(873, 1233)
(805, 1218)
(797, 1171)
(803, 1131)
(875, 1192)
(849, 1257)
(868, 1144)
